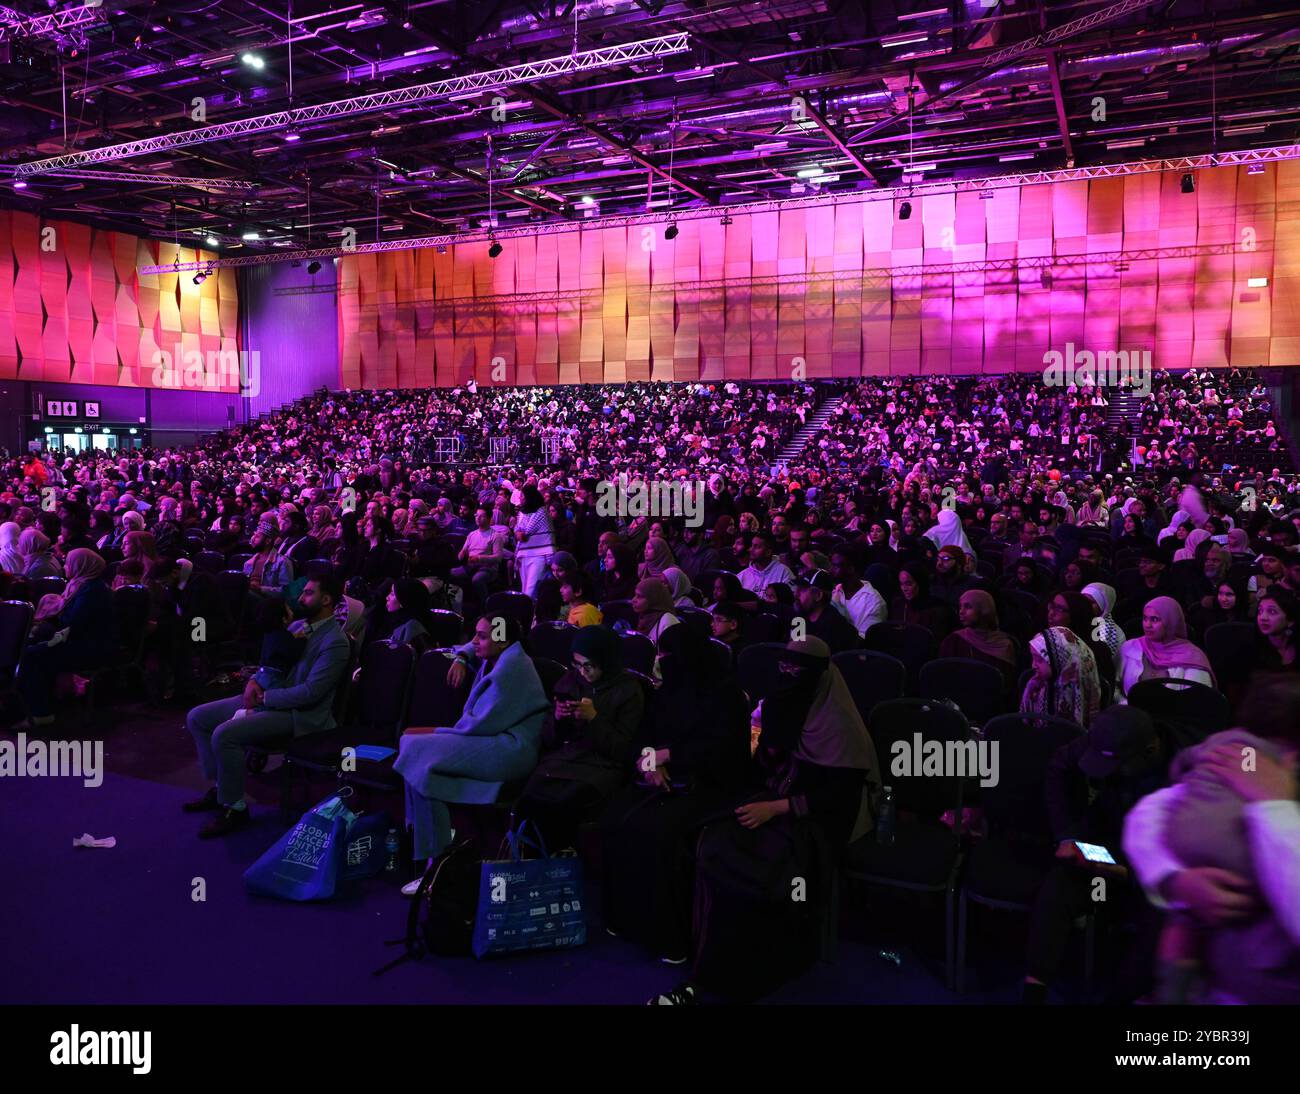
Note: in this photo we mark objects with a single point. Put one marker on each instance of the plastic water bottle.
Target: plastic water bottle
(392, 846)
(885, 822)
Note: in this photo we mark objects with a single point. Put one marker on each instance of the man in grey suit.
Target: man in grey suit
(300, 704)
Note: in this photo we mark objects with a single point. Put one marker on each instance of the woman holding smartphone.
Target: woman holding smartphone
(598, 711)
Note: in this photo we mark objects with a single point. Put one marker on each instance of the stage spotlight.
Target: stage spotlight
(252, 60)
(670, 232)
(442, 248)
(211, 241)
(313, 267)
(726, 219)
(20, 184)
(1189, 184)
(495, 249)
(199, 278)
(905, 210)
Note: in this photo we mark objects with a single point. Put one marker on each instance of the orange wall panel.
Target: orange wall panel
(968, 283)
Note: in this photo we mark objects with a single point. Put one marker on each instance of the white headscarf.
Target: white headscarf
(949, 532)
(11, 561)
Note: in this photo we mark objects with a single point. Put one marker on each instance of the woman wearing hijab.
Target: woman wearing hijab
(494, 741)
(980, 638)
(38, 560)
(86, 637)
(11, 562)
(1075, 612)
(323, 530)
(1239, 544)
(597, 719)
(407, 618)
(948, 532)
(1104, 598)
(142, 546)
(1065, 683)
(131, 522)
(1187, 553)
(658, 558)
(679, 586)
(1180, 520)
(653, 604)
(1163, 651)
(693, 768)
(817, 776)
(879, 549)
(1133, 536)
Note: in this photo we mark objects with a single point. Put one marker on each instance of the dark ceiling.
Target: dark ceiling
(711, 125)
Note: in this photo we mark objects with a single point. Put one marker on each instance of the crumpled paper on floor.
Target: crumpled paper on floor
(87, 840)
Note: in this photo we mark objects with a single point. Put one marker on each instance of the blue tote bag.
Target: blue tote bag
(364, 846)
(305, 863)
(529, 904)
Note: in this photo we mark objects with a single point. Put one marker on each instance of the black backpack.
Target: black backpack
(448, 898)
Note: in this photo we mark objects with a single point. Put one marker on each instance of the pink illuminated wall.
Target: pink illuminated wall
(74, 310)
(966, 284)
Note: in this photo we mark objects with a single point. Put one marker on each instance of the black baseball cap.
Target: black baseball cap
(818, 579)
(1118, 736)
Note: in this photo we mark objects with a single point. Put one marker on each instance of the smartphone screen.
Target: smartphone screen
(1095, 852)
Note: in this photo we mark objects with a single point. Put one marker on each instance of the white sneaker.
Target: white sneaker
(683, 996)
(412, 887)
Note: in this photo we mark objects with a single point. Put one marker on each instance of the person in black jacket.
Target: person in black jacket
(598, 712)
(815, 776)
(1090, 785)
(693, 762)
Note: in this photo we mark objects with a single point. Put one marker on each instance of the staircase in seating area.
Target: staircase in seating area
(1124, 414)
(818, 418)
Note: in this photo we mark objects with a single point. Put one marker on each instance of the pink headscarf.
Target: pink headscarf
(1176, 650)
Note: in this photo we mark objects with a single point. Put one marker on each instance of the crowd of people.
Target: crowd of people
(968, 518)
